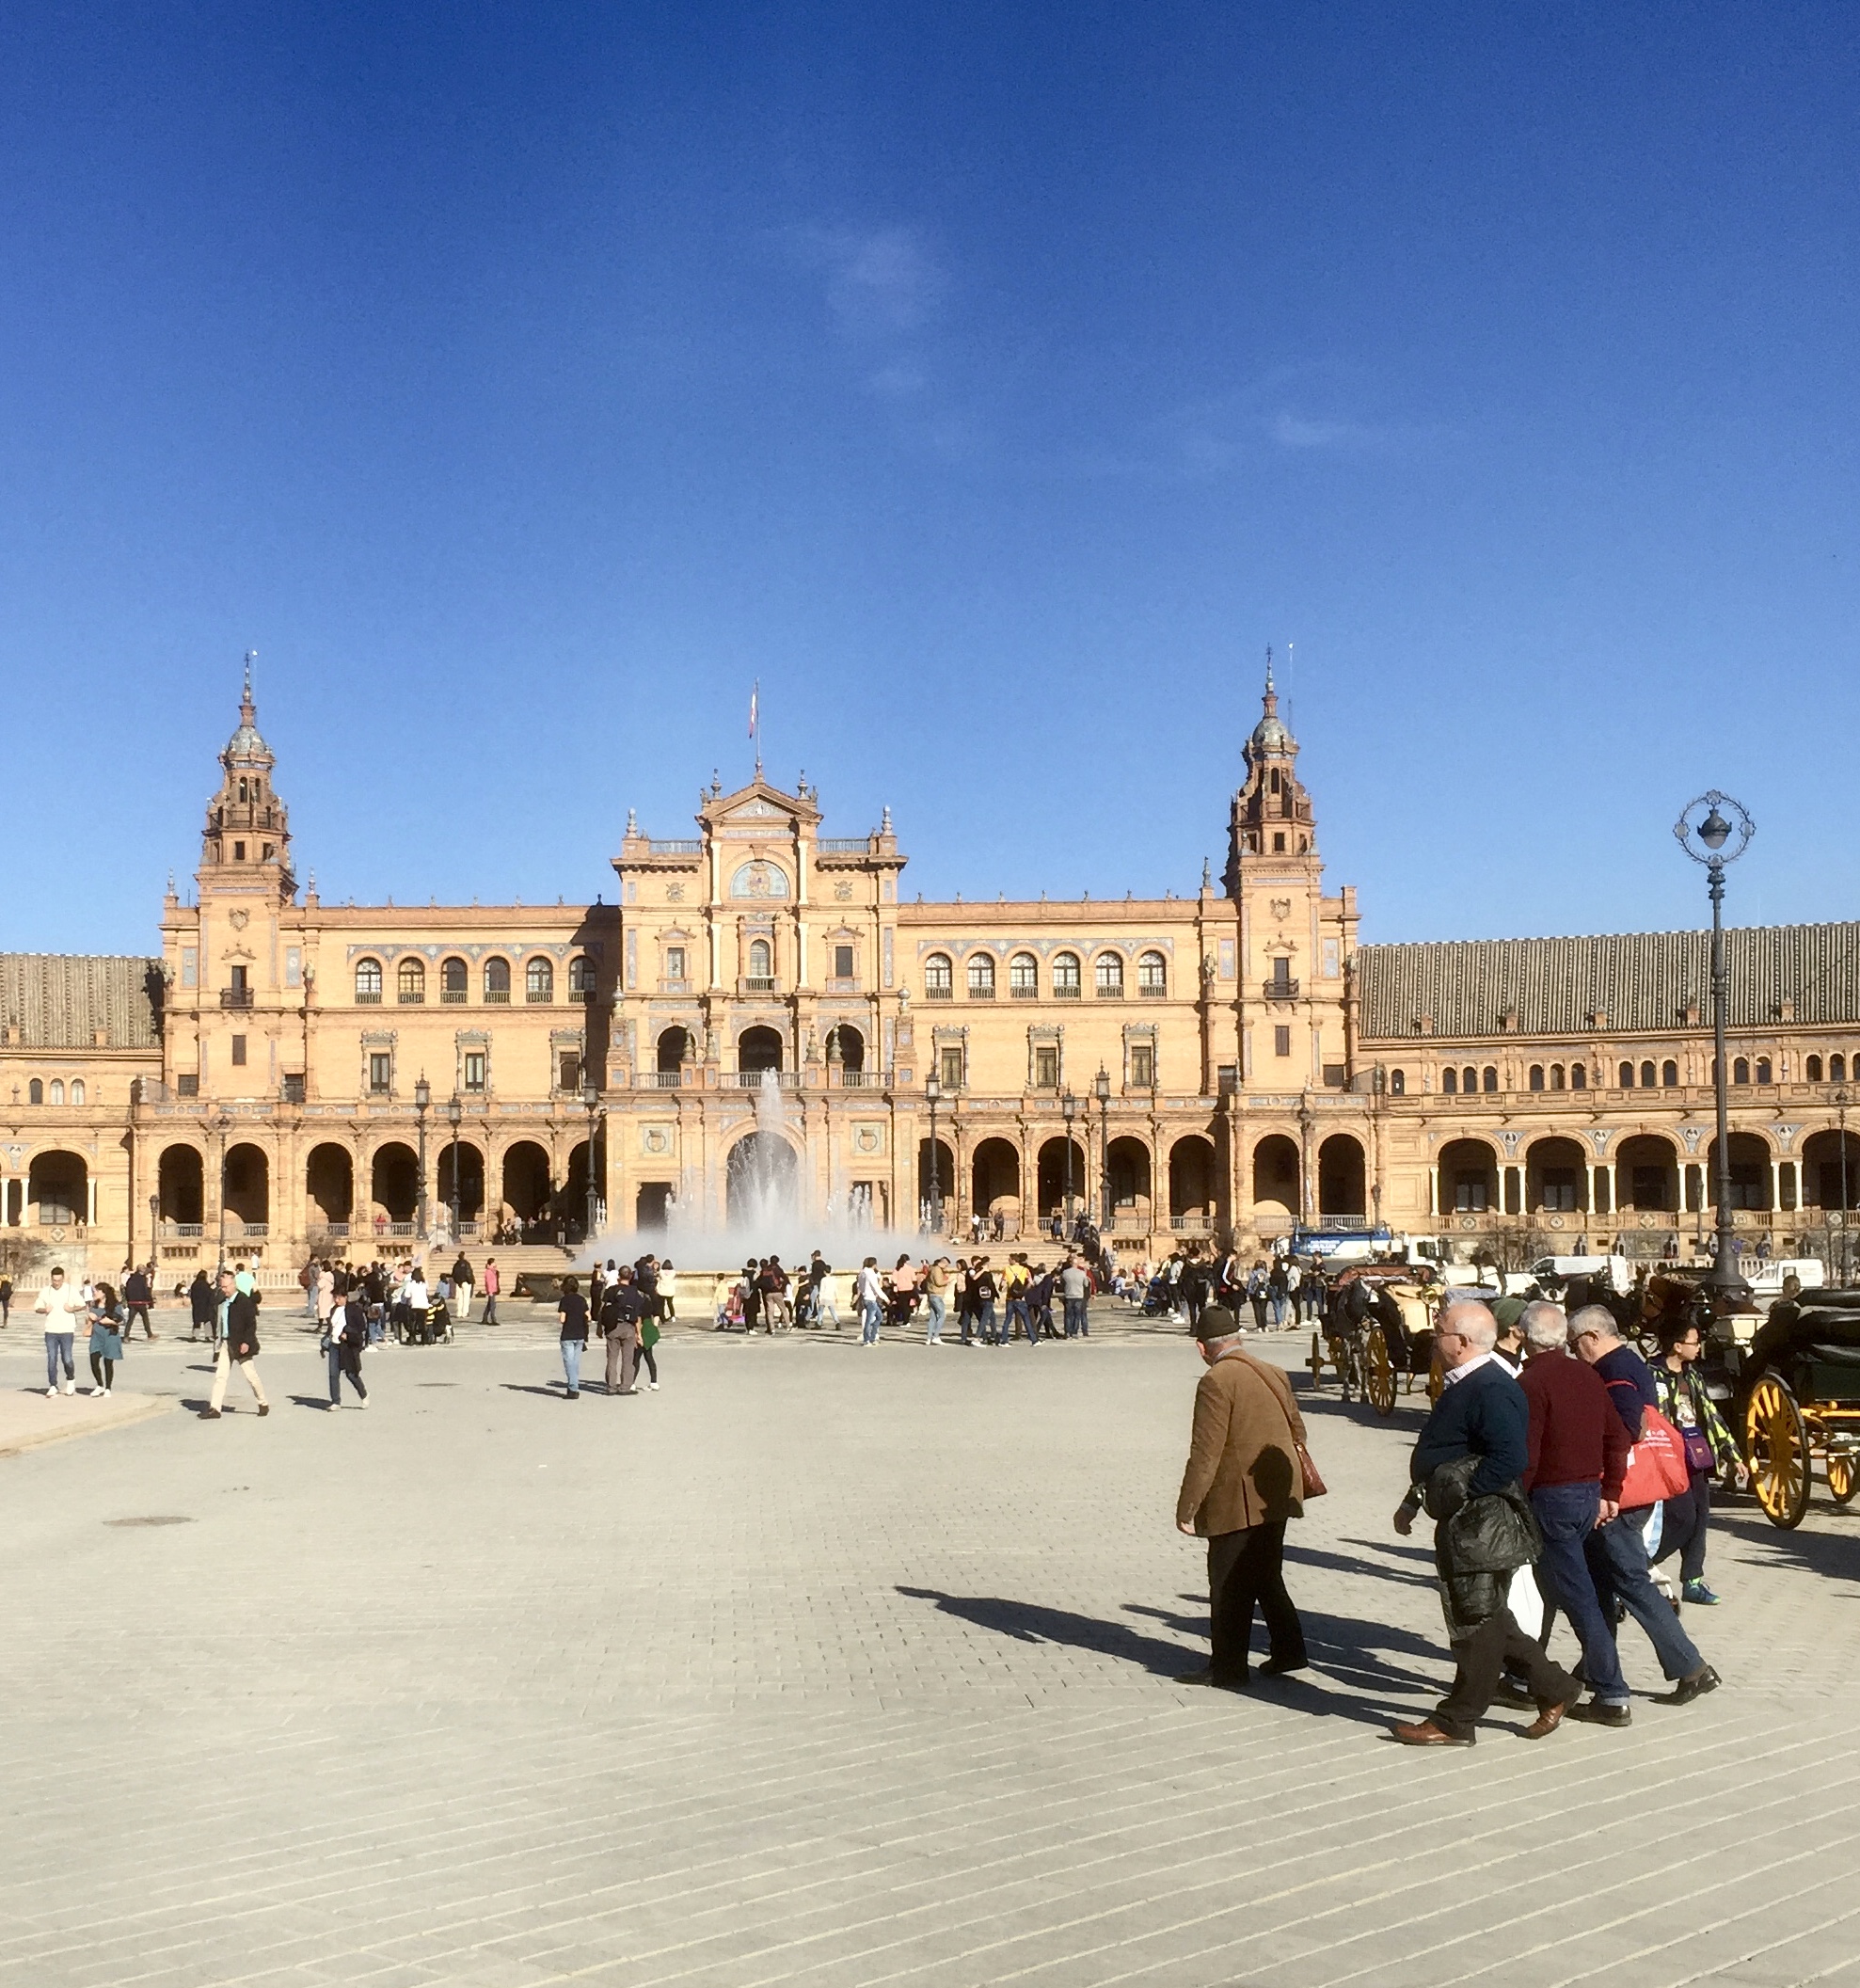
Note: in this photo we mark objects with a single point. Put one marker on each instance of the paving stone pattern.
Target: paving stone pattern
(832, 1666)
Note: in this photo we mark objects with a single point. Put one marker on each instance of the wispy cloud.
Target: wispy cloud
(1304, 408)
(879, 282)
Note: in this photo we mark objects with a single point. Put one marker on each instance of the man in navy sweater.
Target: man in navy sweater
(1482, 1415)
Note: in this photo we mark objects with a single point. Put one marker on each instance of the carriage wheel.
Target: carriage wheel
(1378, 1378)
(1843, 1479)
(1776, 1442)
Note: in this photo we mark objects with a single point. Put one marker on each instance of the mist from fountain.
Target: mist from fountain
(764, 1218)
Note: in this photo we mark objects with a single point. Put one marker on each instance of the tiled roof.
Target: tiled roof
(1639, 980)
(59, 1000)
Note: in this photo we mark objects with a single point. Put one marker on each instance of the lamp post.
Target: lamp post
(591, 1105)
(154, 1226)
(222, 1125)
(1068, 1111)
(1101, 1087)
(932, 1092)
(454, 1112)
(422, 1103)
(1846, 1218)
(1703, 836)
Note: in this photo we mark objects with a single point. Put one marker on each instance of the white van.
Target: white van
(1621, 1272)
(1766, 1280)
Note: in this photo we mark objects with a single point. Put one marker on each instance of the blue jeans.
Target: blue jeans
(985, 1323)
(1076, 1323)
(571, 1363)
(934, 1300)
(1566, 1516)
(58, 1347)
(1617, 1559)
(871, 1315)
(1017, 1308)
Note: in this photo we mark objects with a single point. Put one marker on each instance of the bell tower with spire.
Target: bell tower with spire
(1294, 940)
(247, 839)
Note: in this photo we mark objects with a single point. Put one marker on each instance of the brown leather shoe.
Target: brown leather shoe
(1549, 1718)
(1427, 1734)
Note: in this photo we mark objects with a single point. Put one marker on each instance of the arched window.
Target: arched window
(451, 981)
(1024, 976)
(938, 984)
(1669, 1077)
(1450, 1081)
(1491, 1076)
(539, 981)
(368, 982)
(1469, 1080)
(1625, 1079)
(1536, 1077)
(1578, 1076)
(57, 1091)
(77, 1090)
(1556, 1078)
(1812, 1072)
(581, 975)
(497, 979)
(1739, 1070)
(1762, 1073)
(761, 960)
(35, 1092)
(1398, 1083)
(1153, 974)
(1107, 976)
(1065, 977)
(982, 977)
(1647, 1076)
(1836, 1069)
(410, 982)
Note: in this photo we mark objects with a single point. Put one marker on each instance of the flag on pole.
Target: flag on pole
(754, 695)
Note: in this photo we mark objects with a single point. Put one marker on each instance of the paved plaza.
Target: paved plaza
(831, 1666)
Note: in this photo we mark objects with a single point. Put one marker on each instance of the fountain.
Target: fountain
(763, 1216)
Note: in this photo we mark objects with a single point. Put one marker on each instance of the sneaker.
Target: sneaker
(70, 1388)
(362, 1402)
(574, 1393)
(49, 1393)
(96, 1393)
(1699, 1595)
(652, 1386)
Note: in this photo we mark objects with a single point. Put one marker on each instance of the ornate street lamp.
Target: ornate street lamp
(154, 1226)
(1101, 1087)
(591, 1105)
(1703, 837)
(222, 1125)
(932, 1092)
(454, 1112)
(1841, 1101)
(1068, 1111)
(423, 1102)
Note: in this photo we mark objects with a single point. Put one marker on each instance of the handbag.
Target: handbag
(1314, 1484)
(1655, 1464)
(1699, 1454)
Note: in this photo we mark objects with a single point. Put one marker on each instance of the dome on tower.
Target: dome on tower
(247, 745)
(1271, 736)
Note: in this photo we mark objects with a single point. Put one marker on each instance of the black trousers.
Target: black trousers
(138, 1311)
(1245, 1574)
(1496, 1645)
(1684, 1525)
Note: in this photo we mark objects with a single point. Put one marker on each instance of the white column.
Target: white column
(1775, 1186)
(1434, 1185)
(1590, 1167)
(1613, 1195)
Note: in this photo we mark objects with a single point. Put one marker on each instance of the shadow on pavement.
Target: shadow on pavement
(526, 1387)
(1829, 1553)
(1342, 1564)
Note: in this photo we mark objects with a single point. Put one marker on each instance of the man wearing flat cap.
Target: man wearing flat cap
(1245, 1479)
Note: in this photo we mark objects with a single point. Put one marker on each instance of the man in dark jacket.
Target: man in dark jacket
(1473, 1450)
(139, 1294)
(1617, 1551)
(1579, 1452)
(238, 1334)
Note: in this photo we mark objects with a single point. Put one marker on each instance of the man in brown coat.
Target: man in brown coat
(1243, 1482)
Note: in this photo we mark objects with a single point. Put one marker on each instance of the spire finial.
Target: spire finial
(632, 822)
(247, 710)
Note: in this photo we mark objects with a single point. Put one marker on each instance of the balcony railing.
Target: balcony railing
(758, 983)
(1280, 990)
(235, 998)
(932, 991)
(368, 997)
(454, 996)
(863, 1079)
(1065, 991)
(981, 993)
(495, 996)
(663, 1079)
(1152, 990)
(539, 993)
(1024, 994)
(1110, 993)
(412, 997)
(675, 846)
(843, 845)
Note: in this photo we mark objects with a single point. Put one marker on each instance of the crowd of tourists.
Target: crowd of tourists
(1558, 1467)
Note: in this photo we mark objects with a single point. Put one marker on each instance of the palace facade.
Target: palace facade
(290, 1076)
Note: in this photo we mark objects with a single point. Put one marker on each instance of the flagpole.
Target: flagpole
(756, 722)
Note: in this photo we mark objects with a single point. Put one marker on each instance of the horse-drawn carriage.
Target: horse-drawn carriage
(1798, 1396)
(1377, 1336)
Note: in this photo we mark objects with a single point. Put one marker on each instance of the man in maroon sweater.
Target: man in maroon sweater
(1578, 1456)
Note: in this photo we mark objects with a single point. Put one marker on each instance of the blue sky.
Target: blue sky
(992, 382)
